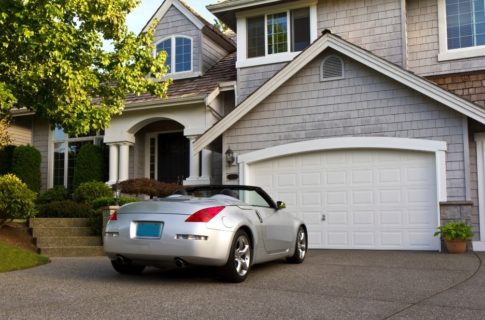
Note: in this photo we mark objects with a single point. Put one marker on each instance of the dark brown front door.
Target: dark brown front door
(173, 157)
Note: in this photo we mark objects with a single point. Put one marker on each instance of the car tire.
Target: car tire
(240, 258)
(127, 268)
(301, 246)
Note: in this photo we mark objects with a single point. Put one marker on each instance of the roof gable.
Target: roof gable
(328, 40)
(165, 6)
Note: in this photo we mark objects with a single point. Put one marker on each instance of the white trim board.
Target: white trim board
(358, 54)
(437, 147)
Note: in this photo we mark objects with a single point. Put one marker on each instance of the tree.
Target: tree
(52, 61)
(4, 137)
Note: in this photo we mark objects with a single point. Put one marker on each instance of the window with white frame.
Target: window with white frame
(286, 31)
(465, 23)
(179, 53)
(461, 29)
(65, 153)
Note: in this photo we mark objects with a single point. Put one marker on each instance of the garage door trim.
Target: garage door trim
(437, 147)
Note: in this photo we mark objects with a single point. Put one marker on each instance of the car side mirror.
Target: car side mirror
(281, 205)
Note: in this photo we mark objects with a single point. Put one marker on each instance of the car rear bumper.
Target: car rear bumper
(211, 250)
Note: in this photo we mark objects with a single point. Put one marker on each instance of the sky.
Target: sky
(138, 18)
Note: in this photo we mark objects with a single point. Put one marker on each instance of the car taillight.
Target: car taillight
(205, 215)
(113, 216)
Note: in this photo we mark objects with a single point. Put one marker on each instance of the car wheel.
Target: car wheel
(301, 246)
(127, 268)
(239, 262)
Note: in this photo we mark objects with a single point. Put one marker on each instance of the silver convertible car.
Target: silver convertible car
(230, 227)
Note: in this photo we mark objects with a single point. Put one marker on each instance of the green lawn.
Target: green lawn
(13, 258)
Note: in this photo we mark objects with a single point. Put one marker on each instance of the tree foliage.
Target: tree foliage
(4, 137)
(52, 61)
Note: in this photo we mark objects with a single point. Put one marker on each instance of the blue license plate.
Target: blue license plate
(149, 230)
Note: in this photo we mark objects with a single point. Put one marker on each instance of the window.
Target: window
(65, 153)
(465, 23)
(332, 68)
(179, 53)
(287, 31)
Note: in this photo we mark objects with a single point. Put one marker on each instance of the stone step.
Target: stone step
(82, 251)
(61, 232)
(58, 222)
(68, 241)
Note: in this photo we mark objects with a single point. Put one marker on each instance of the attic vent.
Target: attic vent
(332, 68)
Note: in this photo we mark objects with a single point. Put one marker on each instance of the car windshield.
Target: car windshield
(248, 196)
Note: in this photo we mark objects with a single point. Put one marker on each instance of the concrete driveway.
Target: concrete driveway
(329, 285)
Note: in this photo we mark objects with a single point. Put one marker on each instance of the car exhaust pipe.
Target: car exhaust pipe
(180, 263)
(121, 260)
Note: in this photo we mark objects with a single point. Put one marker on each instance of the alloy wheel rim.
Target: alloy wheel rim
(301, 244)
(242, 256)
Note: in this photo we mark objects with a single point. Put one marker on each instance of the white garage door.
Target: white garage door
(357, 199)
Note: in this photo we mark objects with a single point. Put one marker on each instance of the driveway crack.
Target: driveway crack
(439, 292)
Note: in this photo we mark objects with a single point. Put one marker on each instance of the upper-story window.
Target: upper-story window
(462, 28)
(287, 31)
(465, 23)
(275, 34)
(179, 53)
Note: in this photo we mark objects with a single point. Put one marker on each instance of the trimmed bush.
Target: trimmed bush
(96, 222)
(58, 193)
(6, 156)
(110, 201)
(89, 191)
(64, 209)
(16, 200)
(89, 165)
(26, 166)
(149, 187)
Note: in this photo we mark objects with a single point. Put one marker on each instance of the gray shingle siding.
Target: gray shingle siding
(251, 78)
(41, 140)
(211, 53)
(374, 25)
(364, 103)
(175, 23)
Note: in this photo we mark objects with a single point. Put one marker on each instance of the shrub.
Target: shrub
(26, 165)
(64, 209)
(89, 165)
(110, 201)
(58, 193)
(152, 188)
(96, 222)
(89, 191)
(16, 200)
(6, 156)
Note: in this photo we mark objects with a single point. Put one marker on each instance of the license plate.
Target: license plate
(151, 230)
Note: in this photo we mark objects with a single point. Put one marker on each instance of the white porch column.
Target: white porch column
(124, 161)
(206, 164)
(195, 176)
(113, 164)
(480, 141)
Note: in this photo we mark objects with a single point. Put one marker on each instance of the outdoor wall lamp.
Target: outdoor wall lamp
(230, 156)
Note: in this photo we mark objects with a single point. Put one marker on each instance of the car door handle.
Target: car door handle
(259, 216)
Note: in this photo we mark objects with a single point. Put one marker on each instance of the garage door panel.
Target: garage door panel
(373, 199)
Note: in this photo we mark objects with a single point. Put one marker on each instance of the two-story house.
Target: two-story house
(365, 117)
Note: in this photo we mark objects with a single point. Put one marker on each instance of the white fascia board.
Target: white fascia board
(343, 143)
(223, 7)
(165, 103)
(162, 10)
